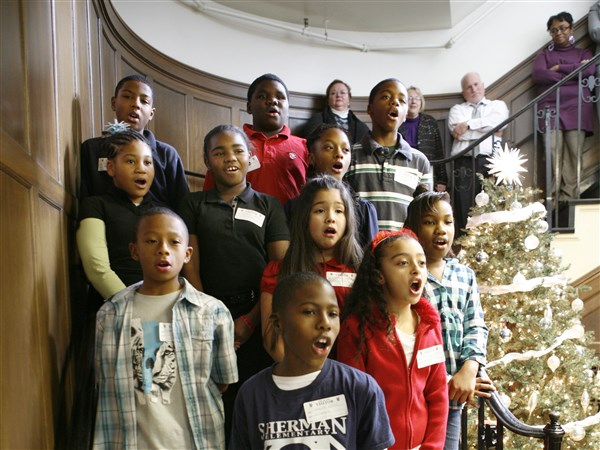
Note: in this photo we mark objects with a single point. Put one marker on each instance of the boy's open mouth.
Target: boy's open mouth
(338, 165)
(232, 169)
(140, 182)
(322, 345)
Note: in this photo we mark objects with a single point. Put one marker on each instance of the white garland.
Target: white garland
(584, 423)
(575, 332)
(517, 215)
(525, 286)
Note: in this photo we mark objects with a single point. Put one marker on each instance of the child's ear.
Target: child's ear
(110, 167)
(248, 108)
(379, 277)
(369, 110)
(113, 101)
(275, 322)
(133, 251)
(311, 159)
(188, 254)
(152, 111)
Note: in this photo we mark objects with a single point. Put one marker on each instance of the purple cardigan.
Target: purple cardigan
(569, 58)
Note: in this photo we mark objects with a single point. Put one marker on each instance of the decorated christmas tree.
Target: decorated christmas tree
(538, 354)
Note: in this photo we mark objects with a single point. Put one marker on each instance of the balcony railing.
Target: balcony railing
(588, 93)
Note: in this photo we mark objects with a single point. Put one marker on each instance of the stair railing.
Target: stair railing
(591, 82)
(492, 436)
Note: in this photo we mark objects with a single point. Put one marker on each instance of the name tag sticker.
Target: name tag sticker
(251, 216)
(253, 163)
(429, 356)
(407, 178)
(102, 164)
(165, 332)
(341, 279)
(326, 408)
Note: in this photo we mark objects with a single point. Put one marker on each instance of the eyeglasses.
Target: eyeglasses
(414, 99)
(560, 29)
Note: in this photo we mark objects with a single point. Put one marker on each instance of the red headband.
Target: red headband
(385, 234)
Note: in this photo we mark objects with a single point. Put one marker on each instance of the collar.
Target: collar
(150, 138)
(333, 264)
(401, 148)
(121, 195)
(483, 101)
(245, 196)
(249, 130)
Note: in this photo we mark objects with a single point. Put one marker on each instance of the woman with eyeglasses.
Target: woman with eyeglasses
(554, 63)
(421, 131)
(338, 112)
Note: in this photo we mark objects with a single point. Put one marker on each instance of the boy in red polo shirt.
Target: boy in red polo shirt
(279, 161)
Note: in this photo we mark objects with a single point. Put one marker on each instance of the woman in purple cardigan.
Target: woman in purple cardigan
(554, 63)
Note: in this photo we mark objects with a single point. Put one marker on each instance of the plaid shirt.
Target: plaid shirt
(203, 337)
(464, 332)
(388, 181)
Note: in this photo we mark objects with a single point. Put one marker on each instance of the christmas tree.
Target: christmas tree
(538, 354)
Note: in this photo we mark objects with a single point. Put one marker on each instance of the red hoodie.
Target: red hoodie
(416, 398)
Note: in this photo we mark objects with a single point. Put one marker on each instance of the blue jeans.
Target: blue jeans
(453, 429)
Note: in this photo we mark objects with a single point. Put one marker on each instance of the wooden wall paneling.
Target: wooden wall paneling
(41, 83)
(170, 122)
(203, 116)
(53, 294)
(108, 60)
(26, 419)
(12, 74)
(68, 122)
(89, 67)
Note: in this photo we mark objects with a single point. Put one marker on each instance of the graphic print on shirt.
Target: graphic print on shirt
(302, 434)
(154, 363)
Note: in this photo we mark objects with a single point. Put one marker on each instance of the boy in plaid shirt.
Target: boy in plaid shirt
(164, 351)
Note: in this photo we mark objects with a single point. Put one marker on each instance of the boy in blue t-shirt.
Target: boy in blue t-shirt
(308, 399)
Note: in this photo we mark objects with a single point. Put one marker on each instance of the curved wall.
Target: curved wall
(493, 39)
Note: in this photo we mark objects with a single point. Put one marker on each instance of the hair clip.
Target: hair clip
(115, 127)
(385, 234)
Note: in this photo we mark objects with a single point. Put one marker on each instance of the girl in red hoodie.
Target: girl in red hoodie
(391, 332)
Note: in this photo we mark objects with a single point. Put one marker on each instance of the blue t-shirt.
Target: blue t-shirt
(268, 417)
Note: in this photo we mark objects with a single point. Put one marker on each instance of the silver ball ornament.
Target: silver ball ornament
(519, 278)
(531, 242)
(515, 205)
(577, 305)
(482, 199)
(542, 226)
(578, 433)
(482, 257)
(505, 335)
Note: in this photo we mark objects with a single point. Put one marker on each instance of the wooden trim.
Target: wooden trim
(591, 301)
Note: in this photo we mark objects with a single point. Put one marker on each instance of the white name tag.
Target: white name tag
(102, 164)
(165, 332)
(251, 216)
(430, 356)
(253, 163)
(409, 179)
(326, 408)
(341, 279)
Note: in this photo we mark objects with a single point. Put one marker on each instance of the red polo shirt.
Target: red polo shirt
(283, 161)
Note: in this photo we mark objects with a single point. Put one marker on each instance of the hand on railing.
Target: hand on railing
(483, 387)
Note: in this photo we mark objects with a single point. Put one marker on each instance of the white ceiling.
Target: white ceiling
(361, 15)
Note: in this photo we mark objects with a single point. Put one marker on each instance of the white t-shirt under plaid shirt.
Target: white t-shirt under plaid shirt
(202, 330)
(456, 297)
